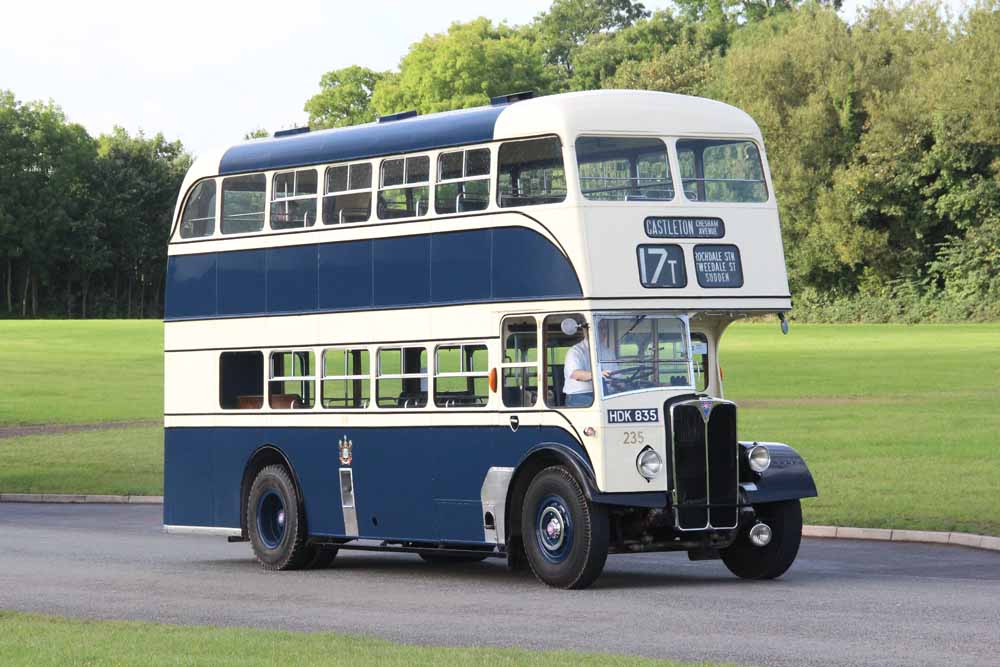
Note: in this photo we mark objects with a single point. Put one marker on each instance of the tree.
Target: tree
(344, 98)
(463, 68)
(569, 23)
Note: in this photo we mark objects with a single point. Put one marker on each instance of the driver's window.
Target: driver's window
(568, 374)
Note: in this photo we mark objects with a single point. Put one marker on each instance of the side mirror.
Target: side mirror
(569, 326)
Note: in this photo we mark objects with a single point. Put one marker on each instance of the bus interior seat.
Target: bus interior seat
(286, 402)
(249, 402)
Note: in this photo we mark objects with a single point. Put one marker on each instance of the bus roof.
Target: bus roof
(568, 114)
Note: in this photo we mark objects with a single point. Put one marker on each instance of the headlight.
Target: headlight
(648, 463)
(759, 457)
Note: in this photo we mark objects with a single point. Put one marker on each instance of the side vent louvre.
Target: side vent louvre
(397, 116)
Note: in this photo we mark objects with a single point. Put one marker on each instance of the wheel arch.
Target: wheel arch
(534, 461)
(264, 456)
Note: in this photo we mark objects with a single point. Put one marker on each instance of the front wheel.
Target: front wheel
(565, 535)
(748, 561)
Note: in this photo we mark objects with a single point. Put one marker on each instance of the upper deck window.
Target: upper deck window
(199, 212)
(531, 172)
(293, 199)
(348, 195)
(399, 195)
(458, 189)
(624, 169)
(243, 202)
(721, 170)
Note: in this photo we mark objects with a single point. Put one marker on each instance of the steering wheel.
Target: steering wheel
(628, 376)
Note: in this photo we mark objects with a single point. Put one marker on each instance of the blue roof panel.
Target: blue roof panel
(451, 128)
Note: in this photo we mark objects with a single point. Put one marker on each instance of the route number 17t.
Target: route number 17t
(661, 265)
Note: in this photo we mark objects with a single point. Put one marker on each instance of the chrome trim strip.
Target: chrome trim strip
(347, 502)
(494, 497)
(202, 530)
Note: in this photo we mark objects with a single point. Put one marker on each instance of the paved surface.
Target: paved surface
(53, 429)
(843, 603)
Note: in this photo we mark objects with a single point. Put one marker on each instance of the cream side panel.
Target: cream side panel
(191, 382)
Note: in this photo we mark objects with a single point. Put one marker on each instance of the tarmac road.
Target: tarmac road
(842, 603)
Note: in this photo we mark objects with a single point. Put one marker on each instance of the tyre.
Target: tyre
(276, 521)
(565, 535)
(771, 561)
(434, 558)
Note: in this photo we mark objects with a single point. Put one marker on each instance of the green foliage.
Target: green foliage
(344, 98)
(463, 68)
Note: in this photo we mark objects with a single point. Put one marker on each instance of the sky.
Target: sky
(208, 72)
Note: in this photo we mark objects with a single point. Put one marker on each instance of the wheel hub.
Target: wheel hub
(554, 529)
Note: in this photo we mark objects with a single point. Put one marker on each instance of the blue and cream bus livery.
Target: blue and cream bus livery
(488, 332)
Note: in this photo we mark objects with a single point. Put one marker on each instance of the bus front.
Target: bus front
(681, 236)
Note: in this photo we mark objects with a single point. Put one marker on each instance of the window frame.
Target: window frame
(379, 375)
(488, 176)
(274, 199)
(765, 172)
(290, 378)
(215, 209)
(536, 364)
(371, 189)
(668, 150)
(263, 380)
(265, 223)
(323, 377)
(428, 183)
(461, 373)
(517, 140)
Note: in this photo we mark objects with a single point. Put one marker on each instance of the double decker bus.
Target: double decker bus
(491, 332)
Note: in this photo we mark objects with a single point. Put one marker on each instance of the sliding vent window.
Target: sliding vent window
(404, 191)
(199, 212)
(458, 189)
(721, 170)
(346, 379)
(519, 365)
(624, 169)
(530, 173)
(462, 379)
(402, 377)
(293, 199)
(348, 194)
(243, 203)
(292, 383)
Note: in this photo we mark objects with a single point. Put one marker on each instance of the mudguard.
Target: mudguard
(787, 478)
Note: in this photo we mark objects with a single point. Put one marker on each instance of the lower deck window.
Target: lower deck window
(519, 366)
(292, 382)
(462, 378)
(402, 377)
(346, 379)
(241, 380)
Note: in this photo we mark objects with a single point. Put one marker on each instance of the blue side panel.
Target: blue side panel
(242, 282)
(466, 254)
(191, 286)
(291, 279)
(452, 128)
(402, 271)
(504, 264)
(524, 267)
(410, 483)
(345, 276)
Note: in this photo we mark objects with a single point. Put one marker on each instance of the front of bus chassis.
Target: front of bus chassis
(678, 476)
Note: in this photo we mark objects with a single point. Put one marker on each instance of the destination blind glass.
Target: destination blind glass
(684, 228)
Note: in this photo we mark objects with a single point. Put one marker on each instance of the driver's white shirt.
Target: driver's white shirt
(577, 359)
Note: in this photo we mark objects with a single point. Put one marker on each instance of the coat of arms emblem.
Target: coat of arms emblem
(346, 455)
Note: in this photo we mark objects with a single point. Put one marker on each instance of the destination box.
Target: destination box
(718, 266)
(689, 227)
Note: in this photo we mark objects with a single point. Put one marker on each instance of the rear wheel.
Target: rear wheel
(565, 535)
(748, 561)
(276, 522)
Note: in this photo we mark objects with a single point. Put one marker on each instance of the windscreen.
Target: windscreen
(642, 352)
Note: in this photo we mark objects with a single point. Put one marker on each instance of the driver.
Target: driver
(578, 378)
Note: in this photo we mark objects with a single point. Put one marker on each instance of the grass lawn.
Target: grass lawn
(899, 424)
(125, 461)
(66, 371)
(28, 639)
